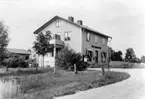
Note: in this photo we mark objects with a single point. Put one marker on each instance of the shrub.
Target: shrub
(66, 59)
(15, 62)
(33, 63)
(23, 63)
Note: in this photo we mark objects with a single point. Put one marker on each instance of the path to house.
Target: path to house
(132, 88)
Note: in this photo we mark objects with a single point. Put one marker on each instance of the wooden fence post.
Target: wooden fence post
(75, 69)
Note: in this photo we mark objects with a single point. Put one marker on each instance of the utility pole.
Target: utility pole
(54, 51)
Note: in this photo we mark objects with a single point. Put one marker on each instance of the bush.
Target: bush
(66, 59)
(14, 62)
(33, 63)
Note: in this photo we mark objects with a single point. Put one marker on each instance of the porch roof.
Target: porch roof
(57, 46)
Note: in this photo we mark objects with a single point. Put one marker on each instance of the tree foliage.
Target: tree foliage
(142, 59)
(66, 59)
(15, 61)
(130, 55)
(42, 45)
(116, 56)
(4, 40)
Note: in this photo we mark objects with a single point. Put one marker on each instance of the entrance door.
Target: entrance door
(96, 59)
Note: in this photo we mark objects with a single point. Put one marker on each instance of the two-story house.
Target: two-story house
(75, 35)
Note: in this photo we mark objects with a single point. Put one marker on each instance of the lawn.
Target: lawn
(120, 64)
(46, 85)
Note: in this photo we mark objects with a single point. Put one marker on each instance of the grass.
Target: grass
(120, 64)
(45, 85)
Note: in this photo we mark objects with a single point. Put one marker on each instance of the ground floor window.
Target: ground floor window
(96, 57)
(89, 55)
(50, 54)
(27, 57)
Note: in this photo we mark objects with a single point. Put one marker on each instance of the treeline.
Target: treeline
(130, 56)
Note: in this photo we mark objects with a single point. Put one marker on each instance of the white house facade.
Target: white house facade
(76, 36)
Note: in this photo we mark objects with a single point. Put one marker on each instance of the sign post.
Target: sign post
(54, 49)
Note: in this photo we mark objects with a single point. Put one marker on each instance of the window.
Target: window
(88, 36)
(89, 55)
(50, 54)
(67, 36)
(103, 41)
(57, 23)
(96, 58)
(57, 37)
(27, 57)
(96, 39)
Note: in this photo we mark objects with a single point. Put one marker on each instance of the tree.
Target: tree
(70, 60)
(130, 55)
(143, 59)
(42, 45)
(4, 40)
(116, 56)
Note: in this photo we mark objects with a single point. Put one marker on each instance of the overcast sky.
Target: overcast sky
(124, 20)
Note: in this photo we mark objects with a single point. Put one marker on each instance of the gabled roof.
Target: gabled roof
(18, 51)
(81, 26)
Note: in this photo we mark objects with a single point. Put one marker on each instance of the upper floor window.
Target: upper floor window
(57, 23)
(103, 41)
(67, 36)
(57, 37)
(96, 39)
(88, 36)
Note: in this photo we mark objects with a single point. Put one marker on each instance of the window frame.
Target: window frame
(96, 39)
(67, 36)
(103, 41)
(88, 38)
(89, 54)
(57, 23)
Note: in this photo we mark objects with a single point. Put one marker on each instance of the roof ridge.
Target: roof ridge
(17, 49)
(81, 26)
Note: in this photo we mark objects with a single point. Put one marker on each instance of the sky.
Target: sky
(123, 20)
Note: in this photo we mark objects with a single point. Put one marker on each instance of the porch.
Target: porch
(56, 45)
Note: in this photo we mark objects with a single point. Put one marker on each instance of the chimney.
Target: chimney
(70, 18)
(80, 22)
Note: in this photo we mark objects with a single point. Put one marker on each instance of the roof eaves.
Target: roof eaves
(18, 51)
(97, 32)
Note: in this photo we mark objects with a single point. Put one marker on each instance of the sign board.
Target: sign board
(103, 57)
(104, 54)
(85, 59)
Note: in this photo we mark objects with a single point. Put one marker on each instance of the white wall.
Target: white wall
(75, 41)
(76, 35)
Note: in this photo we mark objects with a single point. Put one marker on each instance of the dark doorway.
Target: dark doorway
(96, 57)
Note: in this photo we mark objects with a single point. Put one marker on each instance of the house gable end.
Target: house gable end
(51, 21)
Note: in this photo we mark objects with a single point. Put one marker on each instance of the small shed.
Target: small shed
(20, 52)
